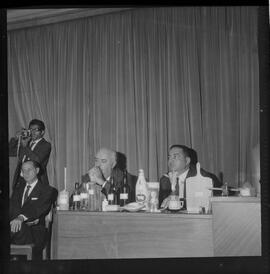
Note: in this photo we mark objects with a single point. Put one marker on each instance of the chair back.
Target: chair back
(49, 218)
(48, 225)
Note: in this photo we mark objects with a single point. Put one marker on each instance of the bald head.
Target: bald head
(106, 160)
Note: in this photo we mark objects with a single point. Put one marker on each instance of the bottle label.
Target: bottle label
(63, 200)
(84, 195)
(123, 196)
(110, 197)
(91, 191)
(140, 197)
(76, 198)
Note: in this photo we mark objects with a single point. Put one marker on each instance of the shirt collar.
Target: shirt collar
(182, 177)
(36, 141)
(32, 185)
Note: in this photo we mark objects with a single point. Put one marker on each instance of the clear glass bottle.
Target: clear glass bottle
(91, 196)
(76, 200)
(124, 190)
(141, 190)
(174, 202)
(225, 191)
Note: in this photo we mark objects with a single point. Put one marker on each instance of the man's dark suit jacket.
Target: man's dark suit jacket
(37, 206)
(131, 181)
(165, 185)
(40, 154)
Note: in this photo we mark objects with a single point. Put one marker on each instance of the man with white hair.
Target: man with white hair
(105, 161)
(109, 163)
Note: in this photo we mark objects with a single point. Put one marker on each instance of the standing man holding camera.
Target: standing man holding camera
(30, 145)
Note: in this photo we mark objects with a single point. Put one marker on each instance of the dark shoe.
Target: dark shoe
(14, 258)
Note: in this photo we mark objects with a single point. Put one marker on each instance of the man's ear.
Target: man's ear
(37, 170)
(188, 160)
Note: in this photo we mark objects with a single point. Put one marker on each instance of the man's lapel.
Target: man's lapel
(20, 192)
(38, 144)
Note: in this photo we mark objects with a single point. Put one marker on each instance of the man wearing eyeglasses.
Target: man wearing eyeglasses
(182, 164)
(30, 145)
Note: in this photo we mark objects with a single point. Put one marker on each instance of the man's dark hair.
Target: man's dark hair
(36, 165)
(189, 152)
(121, 161)
(38, 123)
(193, 156)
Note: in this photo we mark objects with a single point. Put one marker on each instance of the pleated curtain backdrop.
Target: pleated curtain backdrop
(139, 81)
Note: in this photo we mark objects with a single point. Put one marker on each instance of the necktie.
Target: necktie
(177, 186)
(185, 201)
(26, 194)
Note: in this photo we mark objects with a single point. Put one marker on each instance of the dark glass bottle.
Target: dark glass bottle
(124, 191)
(76, 198)
(111, 193)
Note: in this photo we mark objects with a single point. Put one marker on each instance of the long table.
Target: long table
(233, 229)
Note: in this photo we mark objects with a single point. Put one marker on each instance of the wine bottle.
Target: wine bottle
(124, 190)
(84, 197)
(76, 198)
(111, 193)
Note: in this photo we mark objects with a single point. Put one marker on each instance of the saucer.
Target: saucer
(133, 207)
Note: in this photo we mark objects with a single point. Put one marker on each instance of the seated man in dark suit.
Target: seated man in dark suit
(109, 163)
(182, 164)
(29, 204)
(30, 145)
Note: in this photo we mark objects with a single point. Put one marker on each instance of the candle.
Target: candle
(65, 180)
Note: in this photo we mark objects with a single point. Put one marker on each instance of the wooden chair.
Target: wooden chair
(46, 253)
(27, 249)
(22, 250)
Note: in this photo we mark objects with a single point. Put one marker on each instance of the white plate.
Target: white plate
(133, 207)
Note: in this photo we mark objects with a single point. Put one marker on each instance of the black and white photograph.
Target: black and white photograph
(136, 139)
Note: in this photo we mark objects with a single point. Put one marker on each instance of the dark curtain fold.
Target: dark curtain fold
(139, 81)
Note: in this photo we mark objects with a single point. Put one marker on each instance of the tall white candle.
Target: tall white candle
(65, 180)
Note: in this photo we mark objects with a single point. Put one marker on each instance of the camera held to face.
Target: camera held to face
(25, 133)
